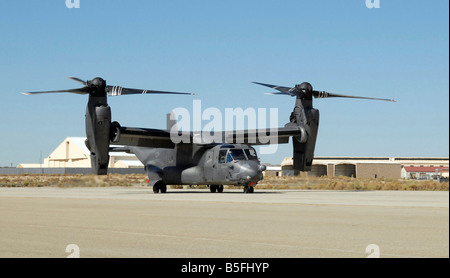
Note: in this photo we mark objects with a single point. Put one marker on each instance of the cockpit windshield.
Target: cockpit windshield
(251, 154)
(236, 154)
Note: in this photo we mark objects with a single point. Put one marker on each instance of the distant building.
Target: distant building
(272, 171)
(365, 167)
(424, 173)
(422, 161)
(73, 153)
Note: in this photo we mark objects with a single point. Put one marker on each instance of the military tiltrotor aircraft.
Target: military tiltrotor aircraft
(230, 160)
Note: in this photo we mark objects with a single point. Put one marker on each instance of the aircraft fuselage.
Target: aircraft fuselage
(223, 164)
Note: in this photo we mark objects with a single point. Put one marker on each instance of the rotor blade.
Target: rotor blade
(281, 93)
(322, 94)
(81, 91)
(276, 87)
(118, 91)
(78, 80)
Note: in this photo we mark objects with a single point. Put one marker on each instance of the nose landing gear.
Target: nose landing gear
(249, 187)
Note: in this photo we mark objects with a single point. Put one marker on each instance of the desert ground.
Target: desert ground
(110, 217)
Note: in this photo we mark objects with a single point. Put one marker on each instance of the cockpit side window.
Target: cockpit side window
(251, 154)
(222, 156)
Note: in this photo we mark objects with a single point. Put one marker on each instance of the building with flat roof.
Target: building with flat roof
(424, 173)
(272, 171)
(366, 167)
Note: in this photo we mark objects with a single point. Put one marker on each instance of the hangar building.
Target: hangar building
(73, 153)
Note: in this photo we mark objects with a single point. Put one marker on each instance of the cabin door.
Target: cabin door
(210, 165)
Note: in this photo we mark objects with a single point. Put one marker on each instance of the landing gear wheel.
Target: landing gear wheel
(248, 189)
(160, 187)
(216, 188)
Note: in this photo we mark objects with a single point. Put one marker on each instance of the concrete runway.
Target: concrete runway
(134, 222)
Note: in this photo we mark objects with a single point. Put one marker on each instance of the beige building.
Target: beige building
(272, 171)
(424, 173)
(73, 153)
(365, 167)
(422, 161)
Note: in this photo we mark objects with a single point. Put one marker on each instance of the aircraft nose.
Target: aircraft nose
(251, 172)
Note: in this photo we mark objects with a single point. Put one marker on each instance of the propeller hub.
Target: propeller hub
(304, 90)
(97, 87)
(305, 87)
(97, 82)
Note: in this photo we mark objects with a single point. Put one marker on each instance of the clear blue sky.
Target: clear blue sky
(216, 48)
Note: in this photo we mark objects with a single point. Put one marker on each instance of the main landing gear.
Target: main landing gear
(160, 187)
(214, 188)
(248, 188)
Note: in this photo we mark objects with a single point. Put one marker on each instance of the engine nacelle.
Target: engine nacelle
(306, 118)
(98, 129)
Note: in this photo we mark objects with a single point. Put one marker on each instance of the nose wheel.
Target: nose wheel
(248, 189)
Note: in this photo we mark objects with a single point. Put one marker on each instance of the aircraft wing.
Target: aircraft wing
(144, 137)
(156, 138)
(263, 136)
